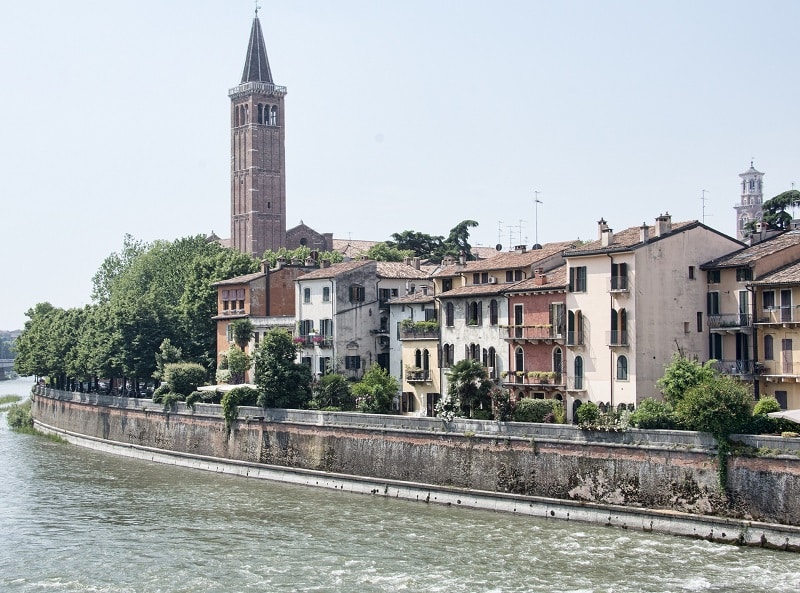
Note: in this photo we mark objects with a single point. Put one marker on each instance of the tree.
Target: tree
(242, 330)
(469, 388)
(721, 406)
(774, 213)
(376, 390)
(387, 252)
(283, 382)
(167, 353)
(113, 266)
(683, 374)
(333, 391)
(458, 239)
(238, 364)
(184, 377)
(422, 245)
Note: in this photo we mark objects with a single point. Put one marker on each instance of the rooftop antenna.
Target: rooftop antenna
(536, 203)
(499, 232)
(520, 229)
(703, 199)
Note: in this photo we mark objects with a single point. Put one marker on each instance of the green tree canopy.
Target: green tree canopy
(683, 374)
(386, 252)
(283, 382)
(774, 212)
(469, 387)
(376, 390)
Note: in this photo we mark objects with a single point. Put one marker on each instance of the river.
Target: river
(75, 520)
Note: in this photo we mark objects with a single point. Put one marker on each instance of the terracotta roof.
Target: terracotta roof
(335, 269)
(786, 275)
(415, 298)
(508, 260)
(352, 247)
(390, 269)
(630, 238)
(471, 290)
(556, 280)
(750, 254)
(240, 279)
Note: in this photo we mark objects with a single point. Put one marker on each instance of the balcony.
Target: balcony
(534, 333)
(619, 285)
(418, 376)
(778, 316)
(738, 368)
(777, 371)
(729, 322)
(542, 379)
(419, 330)
(617, 337)
(575, 338)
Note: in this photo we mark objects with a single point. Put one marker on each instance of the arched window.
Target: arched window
(260, 113)
(558, 358)
(519, 359)
(273, 116)
(622, 368)
(426, 360)
(449, 314)
(491, 358)
(578, 372)
(474, 313)
(493, 312)
(418, 358)
(475, 351)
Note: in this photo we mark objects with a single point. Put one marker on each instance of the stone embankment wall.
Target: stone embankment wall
(669, 470)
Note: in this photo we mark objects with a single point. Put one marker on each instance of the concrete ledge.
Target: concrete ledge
(722, 530)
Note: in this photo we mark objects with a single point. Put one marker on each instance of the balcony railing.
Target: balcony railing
(778, 368)
(729, 320)
(619, 284)
(534, 332)
(737, 367)
(418, 376)
(539, 378)
(617, 337)
(419, 334)
(575, 338)
(778, 315)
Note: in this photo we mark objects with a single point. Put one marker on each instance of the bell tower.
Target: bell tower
(749, 207)
(258, 155)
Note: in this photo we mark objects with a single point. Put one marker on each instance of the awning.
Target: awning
(222, 388)
(793, 415)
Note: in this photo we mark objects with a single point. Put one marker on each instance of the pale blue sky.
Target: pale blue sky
(114, 119)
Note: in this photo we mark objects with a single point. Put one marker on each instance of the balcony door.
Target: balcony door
(786, 357)
(786, 304)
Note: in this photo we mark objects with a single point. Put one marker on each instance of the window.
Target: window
(240, 298)
(782, 399)
(476, 278)
(491, 357)
(712, 303)
(306, 326)
(619, 276)
(326, 327)
(622, 368)
(577, 279)
(619, 322)
(699, 321)
(557, 319)
(325, 365)
(578, 372)
(407, 402)
(447, 355)
(574, 328)
(769, 348)
(449, 314)
(712, 276)
(493, 312)
(786, 357)
(768, 300)
(326, 294)
(229, 332)
(509, 276)
(352, 363)
(474, 313)
(715, 346)
(306, 295)
(447, 284)
(744, 275)
(518, 321)
(517, 275)
(306, 361)
(691, 272)
(558, 361)
(357, 294)
(273, 116)
(519, 360)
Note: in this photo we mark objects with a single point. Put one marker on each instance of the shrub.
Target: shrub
(534, 410)
(766, 405)
(653, 414)
(171, 397)
(333, 391)
(184, 377)
(588, 414)
(19, 416)
(198, 396)
(720, 406)
(160, 392)
(240, 396)
(223, 376)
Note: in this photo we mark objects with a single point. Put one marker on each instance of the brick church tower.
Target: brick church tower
(258, 155)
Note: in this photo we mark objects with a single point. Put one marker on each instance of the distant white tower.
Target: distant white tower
(749, 207)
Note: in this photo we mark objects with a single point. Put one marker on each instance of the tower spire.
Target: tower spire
(256, 64)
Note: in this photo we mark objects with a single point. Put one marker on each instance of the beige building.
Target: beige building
(639, 297)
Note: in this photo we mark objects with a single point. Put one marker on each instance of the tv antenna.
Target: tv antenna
(703, 199)
(536, 203)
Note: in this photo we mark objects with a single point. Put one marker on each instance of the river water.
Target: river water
(75, 520)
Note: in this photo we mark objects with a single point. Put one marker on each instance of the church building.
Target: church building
(258, 161)
(750, 204)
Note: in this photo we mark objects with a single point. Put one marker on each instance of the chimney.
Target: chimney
(416, 263)
(448, 260)
(462, 258)
(644, 232)
(607, 237)
(264, 266)
(326, 263)
(407, 261)
(425, 290)
(602, 225)
(541, 279)
(521, 248)
(663, 224)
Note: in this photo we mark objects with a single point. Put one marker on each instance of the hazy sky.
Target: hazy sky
(114, 119)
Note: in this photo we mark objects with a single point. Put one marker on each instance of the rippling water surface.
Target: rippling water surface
(79, 520)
